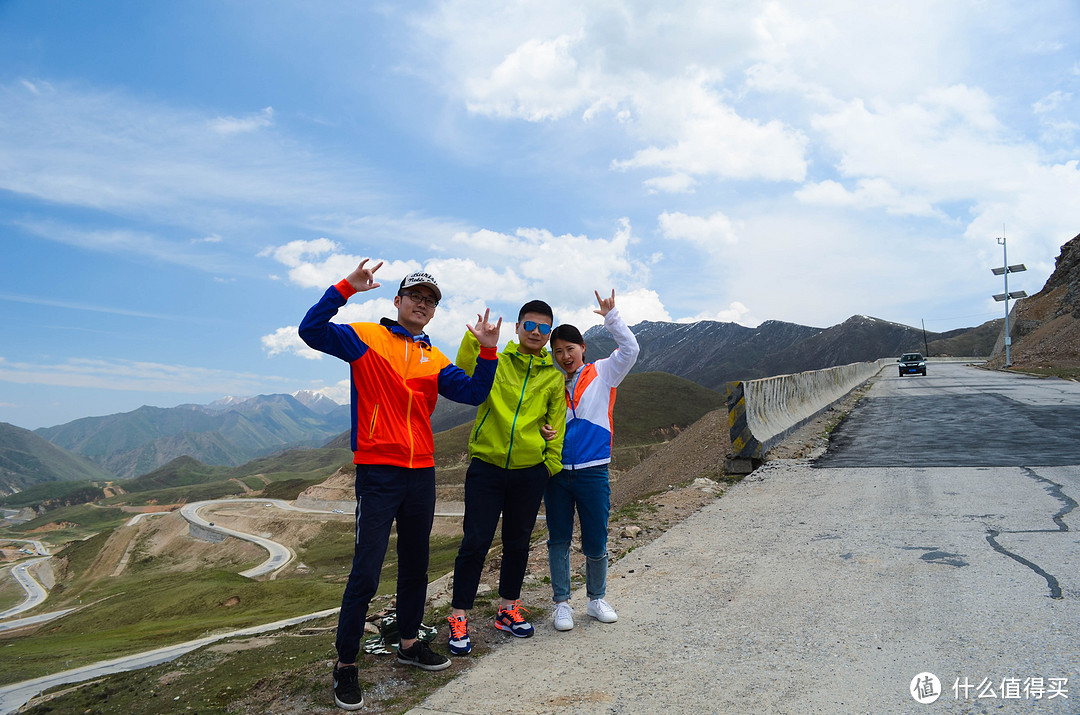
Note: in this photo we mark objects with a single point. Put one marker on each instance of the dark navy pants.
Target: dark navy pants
(385, 494)
(489, 492)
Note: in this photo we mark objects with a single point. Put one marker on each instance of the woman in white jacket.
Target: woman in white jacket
(583, 482)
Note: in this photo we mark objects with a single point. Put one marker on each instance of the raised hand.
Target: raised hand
(486, 333)
(362, 278)
(606, 304)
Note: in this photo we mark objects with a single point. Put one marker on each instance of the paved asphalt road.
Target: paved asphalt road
(958, 416)
(35, 592)
(280, 555)
(938, 536)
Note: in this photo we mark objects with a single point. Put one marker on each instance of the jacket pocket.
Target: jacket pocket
(480, 423)
(374, 422)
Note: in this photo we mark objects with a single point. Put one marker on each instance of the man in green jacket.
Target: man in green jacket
(509, 468)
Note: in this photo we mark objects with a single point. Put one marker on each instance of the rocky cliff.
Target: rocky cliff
(1045, 327)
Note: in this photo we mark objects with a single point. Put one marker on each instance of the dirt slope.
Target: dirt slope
(1045, 327)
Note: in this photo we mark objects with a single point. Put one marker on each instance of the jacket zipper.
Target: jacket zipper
(408, 404)
(476, 432)
(521, 398)
(573, 404)
(374, 418)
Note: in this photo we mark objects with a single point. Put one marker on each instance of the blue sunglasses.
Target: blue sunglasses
(531, 325)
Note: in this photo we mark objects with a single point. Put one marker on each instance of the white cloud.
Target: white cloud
(734, 313)
(72, 305)
(677, 183)
(707, 232)
(137, 376)
(115, 152)
(704, 136)
(537, 80)
(550, 265)
(634, 306)
(340, 392)
(234, 125)
(644, 66)
(869, 193)
(1051, 102)
(319, 263)
(287, 340)
(503, 272)
(129, 243)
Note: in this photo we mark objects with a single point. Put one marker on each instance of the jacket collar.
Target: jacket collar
(395, 327)
(544, 357)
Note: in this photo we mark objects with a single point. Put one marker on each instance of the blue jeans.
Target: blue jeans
(590, 491)
(385, 494)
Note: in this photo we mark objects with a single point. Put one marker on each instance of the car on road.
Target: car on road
(912, 364)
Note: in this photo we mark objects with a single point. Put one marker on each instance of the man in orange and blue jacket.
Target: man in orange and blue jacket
(397, 377)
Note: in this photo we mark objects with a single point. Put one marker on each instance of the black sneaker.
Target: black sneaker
(347, 693)
(421, 655)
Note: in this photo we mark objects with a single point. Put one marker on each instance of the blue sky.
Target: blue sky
(179, 182)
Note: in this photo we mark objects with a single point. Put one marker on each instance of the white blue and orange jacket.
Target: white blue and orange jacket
(590, 399)
(396, 381)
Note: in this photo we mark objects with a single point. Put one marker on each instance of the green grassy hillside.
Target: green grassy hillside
(27, 459)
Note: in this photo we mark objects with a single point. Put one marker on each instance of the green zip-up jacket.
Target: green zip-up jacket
(529, 391)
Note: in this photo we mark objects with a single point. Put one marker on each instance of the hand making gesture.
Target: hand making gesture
(606, 304)
(486, 333)
(363, 279)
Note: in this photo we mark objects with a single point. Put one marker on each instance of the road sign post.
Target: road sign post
(1005, 270)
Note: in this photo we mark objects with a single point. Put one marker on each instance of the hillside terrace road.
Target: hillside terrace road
(280, 555)
(942, 561)
(35, 592)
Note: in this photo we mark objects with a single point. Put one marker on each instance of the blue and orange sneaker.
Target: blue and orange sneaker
(511, 621)
(460, 644)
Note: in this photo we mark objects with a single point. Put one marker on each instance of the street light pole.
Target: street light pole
(1008, 335)
(1005, 270)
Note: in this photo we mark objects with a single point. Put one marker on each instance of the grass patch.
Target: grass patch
(74, 522)
(11, 593)
(175, 495)
(303, 464)
(289, 489)
(53, 494)
(252, 675)
(634, 510)
(254, 483)
(131, 615)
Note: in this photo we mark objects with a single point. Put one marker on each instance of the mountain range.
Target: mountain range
(234, 430)
(229, 432)
(712, 354)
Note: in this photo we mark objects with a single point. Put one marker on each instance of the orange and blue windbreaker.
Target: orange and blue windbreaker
(396, 381)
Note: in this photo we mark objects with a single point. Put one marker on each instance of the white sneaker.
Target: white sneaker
(564, 616)
(602, 611)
